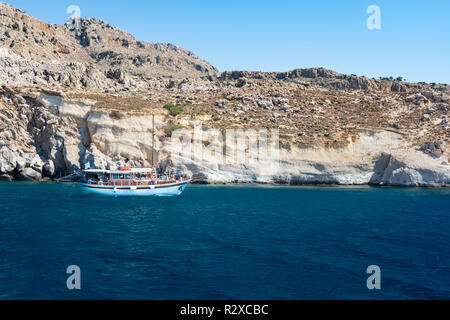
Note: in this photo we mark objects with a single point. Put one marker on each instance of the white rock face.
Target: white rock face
(30, 174)
(59, 137)
(378, 157)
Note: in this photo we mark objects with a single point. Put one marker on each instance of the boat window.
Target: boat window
(115, 176)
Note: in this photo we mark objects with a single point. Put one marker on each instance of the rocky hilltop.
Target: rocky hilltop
(74, 96)
(94, 56)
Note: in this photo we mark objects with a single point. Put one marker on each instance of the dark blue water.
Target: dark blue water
(225, 242)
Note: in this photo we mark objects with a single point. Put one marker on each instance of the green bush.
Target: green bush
(170, 128)
(216, 117)
(173, 109)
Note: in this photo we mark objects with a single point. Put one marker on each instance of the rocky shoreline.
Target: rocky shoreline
(68, 98)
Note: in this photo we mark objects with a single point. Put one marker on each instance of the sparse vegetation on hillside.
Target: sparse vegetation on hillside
(174, 110)
(170, 128)
(132, 104)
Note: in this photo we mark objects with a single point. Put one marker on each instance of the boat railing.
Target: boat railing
(133, 182)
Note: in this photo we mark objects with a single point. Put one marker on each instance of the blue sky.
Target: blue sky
(414, 40)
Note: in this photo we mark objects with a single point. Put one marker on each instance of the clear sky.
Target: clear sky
(263, 35)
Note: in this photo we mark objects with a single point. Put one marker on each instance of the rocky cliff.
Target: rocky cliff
(70, 97)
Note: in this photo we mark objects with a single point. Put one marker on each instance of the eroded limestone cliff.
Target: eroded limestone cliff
(68, 98)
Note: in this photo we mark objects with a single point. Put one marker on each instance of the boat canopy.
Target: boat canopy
(130, 170)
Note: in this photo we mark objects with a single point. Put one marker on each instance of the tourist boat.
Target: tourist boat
(131, 182)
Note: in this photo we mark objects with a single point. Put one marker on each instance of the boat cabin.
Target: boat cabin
(126, 177)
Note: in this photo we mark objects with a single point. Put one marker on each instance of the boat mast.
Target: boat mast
(153, 139)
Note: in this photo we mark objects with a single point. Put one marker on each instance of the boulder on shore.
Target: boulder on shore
(29, 174)
(5, 177)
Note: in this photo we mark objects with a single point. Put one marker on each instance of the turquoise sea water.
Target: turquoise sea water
(225, 242)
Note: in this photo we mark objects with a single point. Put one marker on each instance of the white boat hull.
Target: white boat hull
(173, 189)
